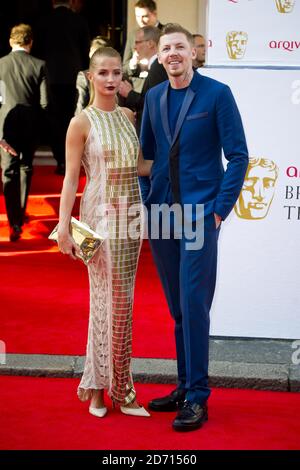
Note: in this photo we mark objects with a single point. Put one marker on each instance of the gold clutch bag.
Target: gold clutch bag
(87, 240)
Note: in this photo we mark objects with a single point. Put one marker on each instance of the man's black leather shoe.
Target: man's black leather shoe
(190, 417)
(15, 233)
(171, 402)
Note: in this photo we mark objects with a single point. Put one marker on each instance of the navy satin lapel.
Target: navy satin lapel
(164, 113)
(184, 109)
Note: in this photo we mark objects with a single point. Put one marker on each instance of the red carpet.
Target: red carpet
(44, 295)
(41, 413)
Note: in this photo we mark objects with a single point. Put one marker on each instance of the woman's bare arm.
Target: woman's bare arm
(75, 141)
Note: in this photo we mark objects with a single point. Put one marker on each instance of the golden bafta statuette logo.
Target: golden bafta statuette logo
(285, 6)
(236, 42)
(258, 189)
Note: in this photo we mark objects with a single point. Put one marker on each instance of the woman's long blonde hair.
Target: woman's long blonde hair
(101, 52)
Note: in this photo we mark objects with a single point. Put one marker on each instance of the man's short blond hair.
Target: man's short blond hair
(171, 28)
(21, 35)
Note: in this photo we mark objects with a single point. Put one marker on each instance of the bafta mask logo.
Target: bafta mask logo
(236, 42)
(285, 6)
(258, 189)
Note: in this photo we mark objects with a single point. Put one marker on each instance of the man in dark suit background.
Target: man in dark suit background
(63, 41)
(24, 95)
(200, 46)
(145, 15)
(146, 44)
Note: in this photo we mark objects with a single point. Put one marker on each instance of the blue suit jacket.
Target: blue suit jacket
(209, 120)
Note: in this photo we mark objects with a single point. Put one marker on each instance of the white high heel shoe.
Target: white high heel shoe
(134, 411)
(99, 412)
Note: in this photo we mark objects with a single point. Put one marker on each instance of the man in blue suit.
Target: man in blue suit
(187, 121)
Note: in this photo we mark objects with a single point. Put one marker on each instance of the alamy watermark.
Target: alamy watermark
(2, 352)
(124, 220)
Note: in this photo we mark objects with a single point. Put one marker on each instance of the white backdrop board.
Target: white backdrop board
(258, 288)
(253, 32)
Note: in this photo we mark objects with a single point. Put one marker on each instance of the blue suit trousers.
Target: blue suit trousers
(188, 278)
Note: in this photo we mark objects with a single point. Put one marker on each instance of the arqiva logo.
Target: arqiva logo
(289, 46)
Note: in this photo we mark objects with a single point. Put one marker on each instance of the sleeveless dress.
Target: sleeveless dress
(111, 201)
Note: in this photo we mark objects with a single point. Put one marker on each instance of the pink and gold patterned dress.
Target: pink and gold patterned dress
(112, 188)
